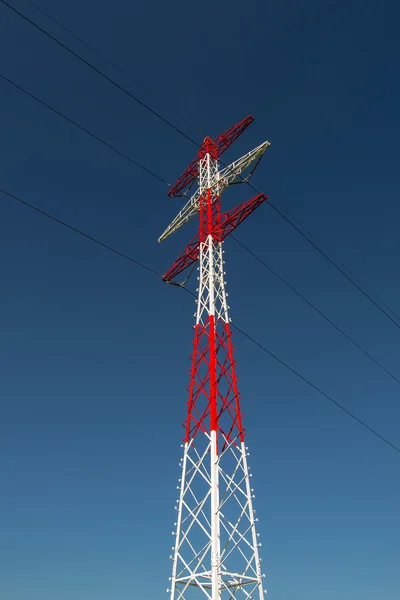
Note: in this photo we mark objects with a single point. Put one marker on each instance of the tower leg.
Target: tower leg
(215, 533)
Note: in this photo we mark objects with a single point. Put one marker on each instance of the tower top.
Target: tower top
(215, 148)
(220, 180)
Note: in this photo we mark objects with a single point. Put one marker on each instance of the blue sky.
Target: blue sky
(95, 352)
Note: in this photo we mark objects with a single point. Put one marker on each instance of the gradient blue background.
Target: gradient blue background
(94, 351)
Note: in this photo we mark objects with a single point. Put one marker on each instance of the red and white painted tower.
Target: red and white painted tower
(216, 551)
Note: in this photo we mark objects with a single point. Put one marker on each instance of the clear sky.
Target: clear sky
(94, 352)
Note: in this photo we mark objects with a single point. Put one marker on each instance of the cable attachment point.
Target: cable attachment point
(175, 283)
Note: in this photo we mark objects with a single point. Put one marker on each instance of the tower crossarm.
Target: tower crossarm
(228, 222)
(220, 182)
(186, 258)
(216, 148)
(236, 169)
(226, 139)
(232, 219)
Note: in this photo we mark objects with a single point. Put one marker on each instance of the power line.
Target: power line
(336, 266)
(336, 258)
(89, 64)
(332, 262)
(260, 260)
(107, 60)
(249, 337)
(79, 231)
(76, 124)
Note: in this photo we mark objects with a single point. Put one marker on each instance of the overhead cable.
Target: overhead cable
(271, 270)
(78, 231)
(98, 71)
(107, 60)
(84, 129)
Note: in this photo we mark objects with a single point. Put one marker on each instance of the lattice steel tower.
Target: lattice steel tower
(216, 552)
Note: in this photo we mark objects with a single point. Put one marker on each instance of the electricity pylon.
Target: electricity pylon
(216, 551)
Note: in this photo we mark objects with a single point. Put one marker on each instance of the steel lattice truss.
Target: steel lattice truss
(238, 564)
(219, 181)
(216, 552)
